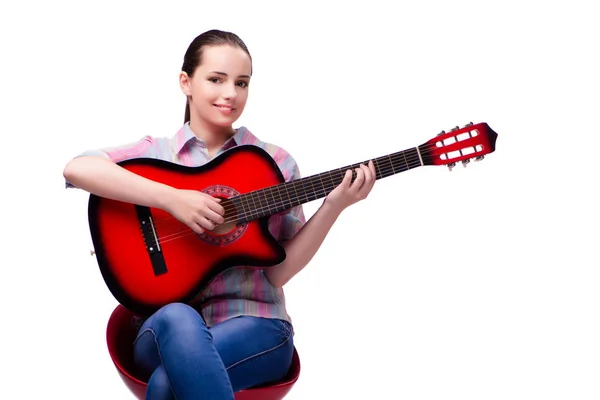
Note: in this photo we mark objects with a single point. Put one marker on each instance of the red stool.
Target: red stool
(120, 333)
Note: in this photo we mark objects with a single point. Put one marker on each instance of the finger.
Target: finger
(206, 223)
(367, 180)
(347, 181)
(197, 228)
(372, 168)
(213, 199)
(369, 175)
(367, 172)
(215, 216)
(360, 178)
(216, 208)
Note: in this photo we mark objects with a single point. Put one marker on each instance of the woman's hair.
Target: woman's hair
(193, 55)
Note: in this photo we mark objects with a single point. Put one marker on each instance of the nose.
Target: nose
(230, 92)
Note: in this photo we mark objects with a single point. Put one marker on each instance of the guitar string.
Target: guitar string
(282, 202)
(188, 231)
(427, 151)
(229, 206)
(275, 191)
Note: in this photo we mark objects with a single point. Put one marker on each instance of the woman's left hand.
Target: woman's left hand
(348, 192)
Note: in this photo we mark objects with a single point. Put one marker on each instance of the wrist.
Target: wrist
(331, 208)
(164, 197)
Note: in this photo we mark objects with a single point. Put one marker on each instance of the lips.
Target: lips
(224, 108)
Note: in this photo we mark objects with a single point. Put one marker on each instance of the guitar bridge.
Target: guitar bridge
(151, 240)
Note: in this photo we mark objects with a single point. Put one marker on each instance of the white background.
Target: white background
(481, 283)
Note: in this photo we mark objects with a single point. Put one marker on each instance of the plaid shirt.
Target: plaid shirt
(239, 290)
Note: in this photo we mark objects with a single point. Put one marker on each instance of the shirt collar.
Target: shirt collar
(185, 135)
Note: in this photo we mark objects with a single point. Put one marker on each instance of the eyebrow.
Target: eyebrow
(224, 74)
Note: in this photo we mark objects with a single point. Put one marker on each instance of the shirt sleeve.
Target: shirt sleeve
(287, 224)
(139, 149)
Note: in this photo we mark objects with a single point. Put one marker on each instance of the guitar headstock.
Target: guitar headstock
(473, 141)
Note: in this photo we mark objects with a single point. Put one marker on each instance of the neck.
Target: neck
(213, 136)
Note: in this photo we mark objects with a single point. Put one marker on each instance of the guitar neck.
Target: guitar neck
(279, 198)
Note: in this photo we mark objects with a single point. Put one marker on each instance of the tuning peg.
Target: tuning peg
(465, 162)
(469, 124)
(455, 128)
(441, 133)
(451, 165)
(479, 158)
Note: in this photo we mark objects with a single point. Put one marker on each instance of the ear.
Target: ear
(185, 83)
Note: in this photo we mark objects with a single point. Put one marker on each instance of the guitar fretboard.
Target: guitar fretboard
(279, 198)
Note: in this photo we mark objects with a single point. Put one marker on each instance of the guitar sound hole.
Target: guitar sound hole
(229, 231)
(224, 228)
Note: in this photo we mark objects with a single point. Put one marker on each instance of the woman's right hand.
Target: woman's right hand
(197, 210)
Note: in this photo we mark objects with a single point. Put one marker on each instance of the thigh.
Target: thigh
(254, 350)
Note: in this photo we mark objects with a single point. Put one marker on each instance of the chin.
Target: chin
(225, 121)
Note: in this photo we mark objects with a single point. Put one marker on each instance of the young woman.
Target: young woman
(238, 334)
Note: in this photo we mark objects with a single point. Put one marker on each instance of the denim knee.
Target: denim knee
(175, 318)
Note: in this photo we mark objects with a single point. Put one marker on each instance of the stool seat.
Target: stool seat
(120, 333)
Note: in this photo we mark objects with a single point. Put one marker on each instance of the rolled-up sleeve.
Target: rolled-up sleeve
(139, 149)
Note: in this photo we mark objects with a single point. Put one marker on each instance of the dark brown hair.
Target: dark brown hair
(193, 55)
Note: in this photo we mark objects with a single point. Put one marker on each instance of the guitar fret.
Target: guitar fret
(391, 164)
(322, 185)
(238, 215)
(303, 190)
(252, 197)
(245, 211)
(378, 174)
(288, 196)
(294, 185)
(273, 197)
(282, 197)
(332, 183)
(263, 206)
(322, 189)
(277, 205)
(315, 191)
(406, 162)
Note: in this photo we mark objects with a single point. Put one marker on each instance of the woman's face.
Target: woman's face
(218, 89)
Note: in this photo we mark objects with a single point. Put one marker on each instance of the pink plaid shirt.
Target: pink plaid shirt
(240, 290)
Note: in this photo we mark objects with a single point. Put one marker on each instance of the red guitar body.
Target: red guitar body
(186, 262)
(149, 259)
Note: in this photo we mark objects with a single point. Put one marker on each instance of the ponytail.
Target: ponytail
(186, 118)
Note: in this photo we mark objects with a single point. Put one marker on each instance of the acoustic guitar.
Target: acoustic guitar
(149, 259)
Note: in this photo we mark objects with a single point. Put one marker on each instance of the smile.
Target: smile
(224, 108)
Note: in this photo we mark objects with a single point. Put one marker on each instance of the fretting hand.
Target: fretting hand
(348, 192)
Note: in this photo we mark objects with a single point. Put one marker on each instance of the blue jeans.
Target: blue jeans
(186, 360)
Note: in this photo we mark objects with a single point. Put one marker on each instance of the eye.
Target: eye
(215, 80)
(243, 84)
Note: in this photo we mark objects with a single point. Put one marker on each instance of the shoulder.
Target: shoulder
(282, 157)
(145, 146)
